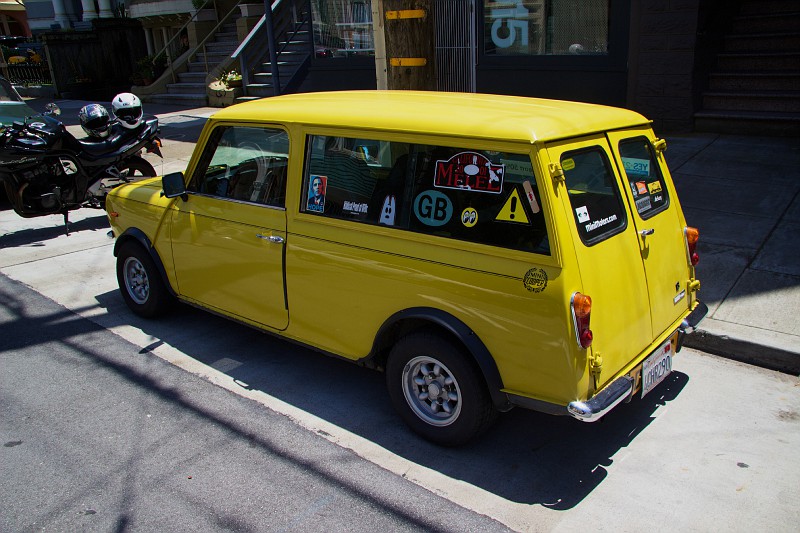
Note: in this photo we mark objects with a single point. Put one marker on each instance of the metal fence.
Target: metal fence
(27, 73)
(455, 45)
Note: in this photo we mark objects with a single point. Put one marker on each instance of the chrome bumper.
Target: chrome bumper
(621, 388)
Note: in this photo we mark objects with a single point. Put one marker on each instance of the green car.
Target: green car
(12, 106)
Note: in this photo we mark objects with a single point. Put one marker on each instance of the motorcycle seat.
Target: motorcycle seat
(119, 137)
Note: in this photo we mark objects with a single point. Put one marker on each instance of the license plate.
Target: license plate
(657, 367)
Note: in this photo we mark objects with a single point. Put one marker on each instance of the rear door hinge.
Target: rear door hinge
(556, 172)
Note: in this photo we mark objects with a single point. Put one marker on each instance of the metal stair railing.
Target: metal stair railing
(286, 19)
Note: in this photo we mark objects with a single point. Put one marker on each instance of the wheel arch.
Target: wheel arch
(138, 236)
(418, 318)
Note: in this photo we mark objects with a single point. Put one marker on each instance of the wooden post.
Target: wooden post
(410, 52)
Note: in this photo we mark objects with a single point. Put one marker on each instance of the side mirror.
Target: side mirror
(52, 109)
(173, 186)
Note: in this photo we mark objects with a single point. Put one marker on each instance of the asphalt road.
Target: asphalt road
(100, 435)
(111, 422)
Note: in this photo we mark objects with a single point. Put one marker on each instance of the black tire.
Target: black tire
(424, 363)
(136, 168)
(140, 282)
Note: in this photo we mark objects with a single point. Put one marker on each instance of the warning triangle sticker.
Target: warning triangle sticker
(512, 210)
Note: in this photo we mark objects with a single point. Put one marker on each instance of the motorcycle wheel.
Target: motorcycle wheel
(135, 168)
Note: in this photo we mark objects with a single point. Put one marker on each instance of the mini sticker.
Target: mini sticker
(634, 190)
(355, 208)
(433, 208)
(535, 280)
(469, 217)
(531, 197)
(512, 210)
(316, 193)
(654, 187)
(582, 213)
(591, 226)
(642, 187)
(388, 211)
(469, 171)
(568, 164)
(643, 204)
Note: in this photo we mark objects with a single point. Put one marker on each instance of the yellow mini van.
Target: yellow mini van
(484, 251)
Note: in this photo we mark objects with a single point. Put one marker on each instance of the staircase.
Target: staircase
(190, 88)
(754, 88)
(293, 52)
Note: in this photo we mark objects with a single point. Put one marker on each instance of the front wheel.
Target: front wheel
(437, 390)
(140, 282)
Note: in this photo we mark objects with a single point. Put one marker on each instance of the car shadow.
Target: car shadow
(526, 457)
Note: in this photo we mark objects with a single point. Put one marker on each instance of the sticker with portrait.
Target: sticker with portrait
(316, 193)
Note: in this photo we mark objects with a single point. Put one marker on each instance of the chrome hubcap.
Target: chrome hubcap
(431, 391)
(136, 281)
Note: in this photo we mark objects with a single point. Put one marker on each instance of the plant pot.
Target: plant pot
(251, 10)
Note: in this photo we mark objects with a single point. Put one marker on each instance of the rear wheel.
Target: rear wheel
(136, 168)
(140, 282)
(437, 390)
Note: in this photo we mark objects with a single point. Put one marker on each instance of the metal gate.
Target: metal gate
(455, 45)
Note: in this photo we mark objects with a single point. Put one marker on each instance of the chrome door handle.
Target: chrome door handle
(271, 238)
(646, 232)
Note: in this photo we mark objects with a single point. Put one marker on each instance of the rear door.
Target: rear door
(659, 222)
(607, 250)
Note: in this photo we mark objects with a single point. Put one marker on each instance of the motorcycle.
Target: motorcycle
(46, 170)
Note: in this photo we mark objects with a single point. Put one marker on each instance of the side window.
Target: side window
(247, 164)
(474, 195)
(644, 176)
(593, 194)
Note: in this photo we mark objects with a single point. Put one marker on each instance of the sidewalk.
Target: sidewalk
(743, 193)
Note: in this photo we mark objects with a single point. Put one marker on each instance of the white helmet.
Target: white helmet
(95, 120)
(127, 109)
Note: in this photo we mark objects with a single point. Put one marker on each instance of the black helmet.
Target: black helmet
(95, 120)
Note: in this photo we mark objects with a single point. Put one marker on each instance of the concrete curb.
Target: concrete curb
(754, 346)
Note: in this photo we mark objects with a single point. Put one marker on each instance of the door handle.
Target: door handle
(271, 238)
(646, 232)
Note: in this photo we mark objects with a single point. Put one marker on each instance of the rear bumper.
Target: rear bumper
(622, 388)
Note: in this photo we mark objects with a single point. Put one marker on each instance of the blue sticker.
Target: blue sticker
(433, 208)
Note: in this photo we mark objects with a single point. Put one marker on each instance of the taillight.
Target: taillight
(581, 314)
(692, 236)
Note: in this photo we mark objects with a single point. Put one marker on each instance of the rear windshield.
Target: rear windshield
(644, 176)
(594, 195)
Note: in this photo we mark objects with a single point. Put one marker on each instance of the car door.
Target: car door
(607, 251)
(229, 235)
(659, 222)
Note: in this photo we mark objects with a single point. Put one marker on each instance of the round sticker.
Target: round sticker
(433, 208)
(469, 217)
(535, 280)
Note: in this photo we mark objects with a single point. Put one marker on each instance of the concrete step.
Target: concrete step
(222, 47)
(760, 61)
(739, 101)
(186, 88)
(762, 42)
(192, 77)
(748, 123)
(760, 7)
(188, 100)
(749, 81)
(768, 23)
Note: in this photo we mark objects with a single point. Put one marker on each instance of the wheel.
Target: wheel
(437, 390)
(140, 282)
(136, 168)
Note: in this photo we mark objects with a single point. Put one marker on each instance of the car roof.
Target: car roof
(453, 114)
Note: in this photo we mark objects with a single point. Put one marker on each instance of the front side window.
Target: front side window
(475, 195)
(594, 195)
(546, 27)
(247, 164)
(644, 176)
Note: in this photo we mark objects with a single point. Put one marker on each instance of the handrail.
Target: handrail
(165, 49)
